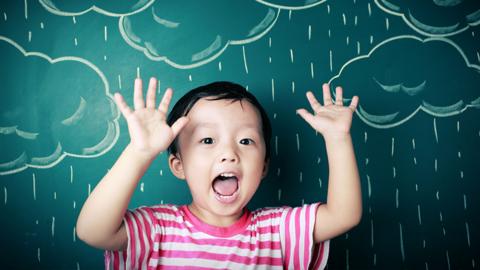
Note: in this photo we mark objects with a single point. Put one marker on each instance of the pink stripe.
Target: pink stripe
(172, 267)
(308, 235)
(296, 253)
(146, 218)
(222, 242)
(270, 216)
(165, 210)
(287, 239)
(315, 256)
(116, 258)
(133, 248)
(139, 226)
(256, 260)
(269, 229)
(149, 222)
(319, 254)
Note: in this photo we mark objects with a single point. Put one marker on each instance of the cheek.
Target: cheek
(255, 163)
(256, 155)
(197, 161)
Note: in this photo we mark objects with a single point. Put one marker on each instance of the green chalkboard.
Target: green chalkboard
(414, 64)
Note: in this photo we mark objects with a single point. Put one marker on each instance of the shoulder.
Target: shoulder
(268, 213)
(158, 212)
(288, 213)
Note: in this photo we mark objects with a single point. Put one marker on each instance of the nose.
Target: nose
(228, 154)
(229, 159)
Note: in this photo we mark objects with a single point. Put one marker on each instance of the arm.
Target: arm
(100, 221)
(343, 209)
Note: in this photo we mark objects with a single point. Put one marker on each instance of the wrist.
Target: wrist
(337, 137)
(140, 155)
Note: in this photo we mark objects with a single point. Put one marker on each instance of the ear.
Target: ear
(176, 166)
(265, 168)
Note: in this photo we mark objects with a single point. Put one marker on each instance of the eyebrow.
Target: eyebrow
(204, 125)
(213, 125)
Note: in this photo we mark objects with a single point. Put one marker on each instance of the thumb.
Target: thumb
(308, 117)
(179, 125)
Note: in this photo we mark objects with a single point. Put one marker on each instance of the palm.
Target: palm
(333, 118)
(148, 130)
(147, 126)
(329, 118)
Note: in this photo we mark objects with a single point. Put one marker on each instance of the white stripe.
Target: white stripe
(168, 217)
(212, 264)
(282, 232)
(153, 263)
(215, 249)
(263, 224)
(326, 250)
(143, 263)
(121, 262)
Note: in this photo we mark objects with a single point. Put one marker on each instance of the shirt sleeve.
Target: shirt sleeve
(296, 236)
(139, 225)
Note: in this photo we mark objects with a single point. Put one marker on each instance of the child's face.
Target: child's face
(221, 137)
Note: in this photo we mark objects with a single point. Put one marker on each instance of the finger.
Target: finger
(179, 125)
(152, 88)
(339, 96)
(163, 107)
(137, 95)
(316, 106)
(354, 103)
(327, 98)
(308, 117)
(122, 105)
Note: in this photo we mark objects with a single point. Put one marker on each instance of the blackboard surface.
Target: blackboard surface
(414, 64)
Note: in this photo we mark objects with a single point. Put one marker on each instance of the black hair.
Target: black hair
(219, 91)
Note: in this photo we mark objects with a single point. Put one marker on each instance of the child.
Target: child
(218, 136)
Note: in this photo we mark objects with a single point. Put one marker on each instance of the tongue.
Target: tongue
(225, 187)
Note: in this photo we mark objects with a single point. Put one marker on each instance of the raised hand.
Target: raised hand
(147, 126)
(330, 119)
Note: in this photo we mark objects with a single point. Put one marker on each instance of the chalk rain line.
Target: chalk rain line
(71, 174)
(273, 90)
(34, 187)
(53, 226)
(401, 242)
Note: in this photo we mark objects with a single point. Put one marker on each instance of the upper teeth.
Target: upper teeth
(227, 174)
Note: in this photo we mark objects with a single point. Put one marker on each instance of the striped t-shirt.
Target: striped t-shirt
(171, 237)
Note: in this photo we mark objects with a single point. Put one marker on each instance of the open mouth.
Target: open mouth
(225, 185)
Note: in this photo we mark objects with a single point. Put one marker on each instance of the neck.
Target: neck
(212, 219)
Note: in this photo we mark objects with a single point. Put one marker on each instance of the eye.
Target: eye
(246, 141)
(207, 141)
